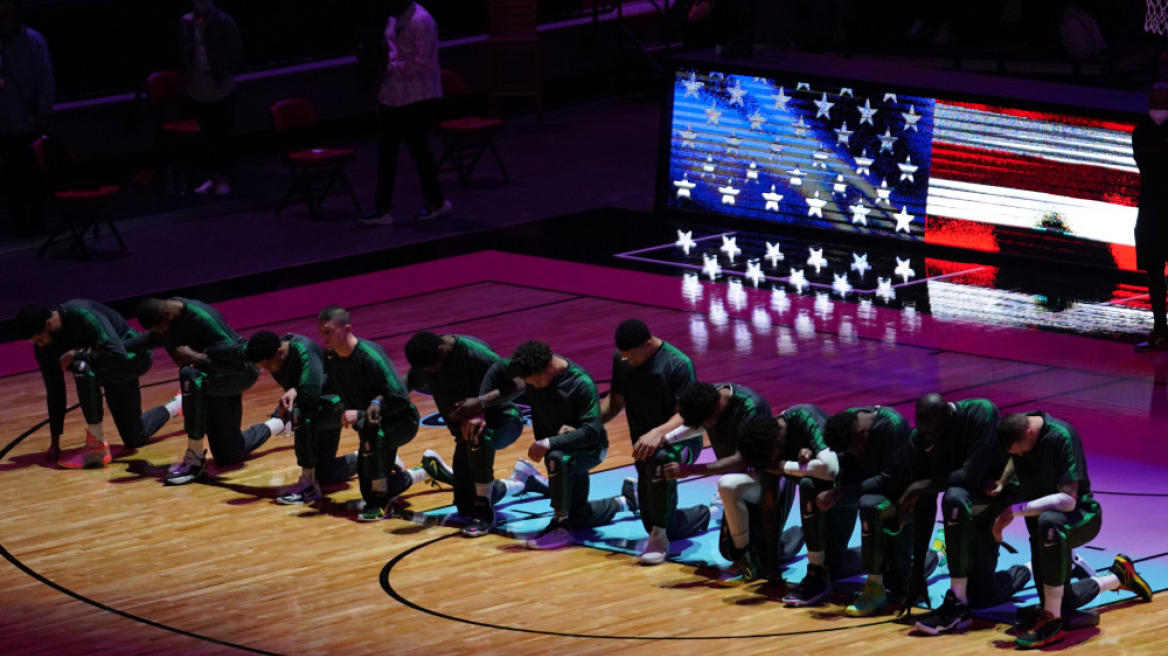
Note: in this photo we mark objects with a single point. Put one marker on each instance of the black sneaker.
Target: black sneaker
(949, 616)
(301, 494)
(436, 468)
(1125, 570)
(1047, 630)
(813, 589)
(188, 470)
(477, 527)
(377, 508)
(629, 492)
(746, 569)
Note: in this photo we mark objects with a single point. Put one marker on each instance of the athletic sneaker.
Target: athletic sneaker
(376, 509)
(744, 570)
(434, 211)
(938, 546)
(207, 187)
(533, 481)
(95, 453)
(555, 536)
(1047, 630)
(479, 526)
(191, 467)
(813, 589)
(629, 492)
(300, 494)
(871, 601)
(1157, 341)
(657, 548)
(436, 467)
(949, 616)
(1125, 570)
(374, 219)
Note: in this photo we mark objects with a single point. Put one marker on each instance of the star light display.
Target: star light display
(815, 259)
(773, 253)
(710, 265)
(685, 241)
(860, 263)
(730, 247)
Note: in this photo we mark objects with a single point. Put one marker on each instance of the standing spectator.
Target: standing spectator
(408, 103)
(211, 50)
(1150, 148)
(27, 91)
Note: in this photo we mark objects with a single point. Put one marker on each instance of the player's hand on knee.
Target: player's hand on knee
(66, 359)
(467, 408)
(805, 456)
(350, 417)
(373, 413)
(566, 429)
(473, 428)
(538, 450)
(672, 471)
(1002, 522)
(189, 357)
(647, 445)
(826, 499)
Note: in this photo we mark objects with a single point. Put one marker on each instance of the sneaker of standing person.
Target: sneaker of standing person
(376, 218)
(434, 211)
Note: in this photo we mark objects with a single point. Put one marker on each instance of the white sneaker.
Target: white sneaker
(524, 469)
(428, 213)
(375, 220)
(206, 188)
(657, 548)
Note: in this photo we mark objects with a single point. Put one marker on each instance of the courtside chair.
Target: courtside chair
(82, 210)
(315, 169)
(174, 133)
(465, 138)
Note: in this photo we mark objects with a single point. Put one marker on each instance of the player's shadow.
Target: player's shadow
(37, 458)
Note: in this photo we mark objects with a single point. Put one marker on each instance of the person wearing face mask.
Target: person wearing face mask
(1150, 148)
(27, 91)
(211, 49)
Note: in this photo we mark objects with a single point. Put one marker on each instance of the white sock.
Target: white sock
(380, 485)
(815, 558)
(1107, 582)
(276, 426)
(958, 585)
(514, 486)
(484, 490)
(174, 406)
(1053, 599)
(622, 502)
(418, 474)
(96, 431)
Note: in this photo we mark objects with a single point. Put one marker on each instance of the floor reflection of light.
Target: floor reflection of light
(785, 343)
(847, 331)
(779, 301)
(718, 315)
(889, 335)
(823, 306)
(698, 333)
(827, 345)
(736, 295)
(909, 318)
(865, 311)
(761, 320)
(691, 288)
(742, 339)
(804, 325)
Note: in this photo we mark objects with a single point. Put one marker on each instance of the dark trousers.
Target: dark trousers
(317, 436)
(124, 397)
(568, 480)
(829, 531)
(885, 547)
(971, 548)
(22, 183)
(213, 408)
(215, 150)
(657, 496)
(1053, 535)
(474, 462)
(379, 445)
(411, 124)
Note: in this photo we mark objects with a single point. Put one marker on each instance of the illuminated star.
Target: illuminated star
(803, 86)
(884, 194)
(860, 263)
(752, 173)
(797, 280)
(779, 301)
(864, 163)
(709, 166)
(728, 194)
(692, 86)
(773, 253)
(688, 136)
(796, 177)
(816, 206)
(824, 107)
(890, 97)
(772, 200)
(819, 158)
(840, 284)
(816, 259)
(907, 169)
(884, 290)
(710, 265)
(713, 114)
(737, 92)
(754, 272)
(866, 113)
(846, 91)
(756, 120)
(801, 128)
(732, 143)
(887, 140)
(843, 134)
(903, 269)
(685, 241)
(683, 186)
(910, 119)
(730, 247)
(777, 148)
(903, 218)
(781, 100)
(859, 213)
(840, 186)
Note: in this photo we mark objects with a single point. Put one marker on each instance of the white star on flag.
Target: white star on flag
(890, 97)
(713, 114)
(685, 241)
(728, 193)
(859, 213)
(752, 173)
(710, 265)
(866, 113)
(801, 128)
(754, 272)
(781, 100)
(772, 200)
(692, 86)
(864, 163)
(756, 120)
(843, 134)
(860, 264)
(884, 290)
(732, 143)
(820, 159)
(730, 247)
(803, 86)
(884, 194)
(840, 284)
(840, 186)
(824, 107)
(907, 169)
(797, 280)
(737, 92)
(903, 218)
(688, 136)
(777, 149)
(887, 140)
(709, 166)
(816, 206)
(846, 91)
(796, 177)
(683, 186)
(910, 119)
(816, 259)
(773, 253)
(903, 269)
(779, 301)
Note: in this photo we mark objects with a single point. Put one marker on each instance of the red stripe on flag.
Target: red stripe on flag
(1048, 117)
(999, 169)
(1125, 257)
(960, 233)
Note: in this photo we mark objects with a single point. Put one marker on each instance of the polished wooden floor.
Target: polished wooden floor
(112, 561)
